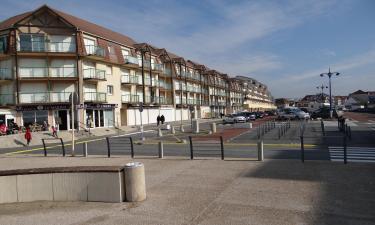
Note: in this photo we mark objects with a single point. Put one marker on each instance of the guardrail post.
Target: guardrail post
(108, 147)
(84, 149)
(191, 148)
(44, 148)
(161, 150)
(222, 147)
(302, 150)
(131, 147)
(63, 147)
(260, 150)
(345, 152)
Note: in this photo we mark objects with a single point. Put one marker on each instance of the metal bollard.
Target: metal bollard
(182, 129)
(260, 150)
(345, 152)
(161, 150)
(213, 127)
(84, 153)
(250, 125)
(350, 133)
(279, 132)
(302, 150)
(160, 134)
(173, 131)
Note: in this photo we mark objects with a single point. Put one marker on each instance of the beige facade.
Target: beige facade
(46, 55)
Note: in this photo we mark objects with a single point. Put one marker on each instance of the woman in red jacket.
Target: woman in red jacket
(28, 135)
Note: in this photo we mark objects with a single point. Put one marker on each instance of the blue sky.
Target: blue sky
(284, 44)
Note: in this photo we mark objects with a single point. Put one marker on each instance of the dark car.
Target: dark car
(259, 114)
(323, 113)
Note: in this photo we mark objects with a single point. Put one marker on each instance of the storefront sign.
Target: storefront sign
(41, 107)
(98, 106)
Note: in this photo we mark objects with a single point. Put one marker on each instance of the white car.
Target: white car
(293, 113)
(239, 119)
(234, 119)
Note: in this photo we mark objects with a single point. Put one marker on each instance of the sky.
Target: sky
(285, 44)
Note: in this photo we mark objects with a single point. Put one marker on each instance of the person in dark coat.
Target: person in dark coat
(28, 136)
(158, 119)
(162, 119)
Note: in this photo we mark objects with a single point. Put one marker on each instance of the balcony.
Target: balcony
(178, 100)
(45, 72)
(167, 72)
(95, 96)
(131, 60)
(130, 98)
(93, 74)
(164, 85)
(45, 46)
(44, 97)
(157, 67)
(94, 50)
(62, 72)
(5, 74)
(127, 79)
(6, 99)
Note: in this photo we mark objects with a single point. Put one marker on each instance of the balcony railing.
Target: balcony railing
(45, 46)
(130, 98)
(95, 96)
(130, 59)
(44, 97)
(5, 74)
(157, 66)
(33, 72)
(178, 100)
(62, 72)
(92, 73)
(6, 99)
(127, 79)
(164, 85)
(95, 50)
(168, 72)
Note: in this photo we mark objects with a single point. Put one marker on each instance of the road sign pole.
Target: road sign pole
(72, 101)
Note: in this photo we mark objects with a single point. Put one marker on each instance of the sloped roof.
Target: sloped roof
(8, 23)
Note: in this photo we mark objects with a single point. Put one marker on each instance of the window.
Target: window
(109, 70)
(110, 89)
(3, 44)
(32, 42)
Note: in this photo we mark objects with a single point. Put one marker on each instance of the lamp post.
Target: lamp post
(322, 93)
(329, 74)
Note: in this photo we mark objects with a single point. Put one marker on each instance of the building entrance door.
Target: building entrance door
(63, 119)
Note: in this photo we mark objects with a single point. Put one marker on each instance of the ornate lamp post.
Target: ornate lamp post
(329, 74)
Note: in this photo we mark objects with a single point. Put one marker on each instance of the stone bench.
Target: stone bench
(82, 183)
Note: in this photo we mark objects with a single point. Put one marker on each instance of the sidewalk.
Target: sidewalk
(18, 140)
(214, 192)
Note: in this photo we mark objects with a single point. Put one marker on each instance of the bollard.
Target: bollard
(345, 152)
(161, 150)
(260, 150)
(173, 131)
(279, 133)
(250, 125)
(213, 127)
(135, 184)
(160, 134)
(302, 150)
(258, 132)
(84, 149)
(196, 126)
(350, 133)
(182, 129)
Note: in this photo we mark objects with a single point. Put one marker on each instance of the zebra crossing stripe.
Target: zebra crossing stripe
(354, 154)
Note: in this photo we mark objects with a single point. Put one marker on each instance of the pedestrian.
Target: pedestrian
(54, 132)
(162, 119)
(158, 118)
(28, 136)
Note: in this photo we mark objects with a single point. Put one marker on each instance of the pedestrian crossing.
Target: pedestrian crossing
(354, 154)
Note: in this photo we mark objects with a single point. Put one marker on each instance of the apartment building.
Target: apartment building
(46, 54)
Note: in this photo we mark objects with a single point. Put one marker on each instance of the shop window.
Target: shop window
(32, 117)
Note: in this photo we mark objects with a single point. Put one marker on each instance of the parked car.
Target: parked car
(234, 118)
(228, 119)
(324, 113)
(239, 119)
(293, 113)
(259, 115)
(248, 115)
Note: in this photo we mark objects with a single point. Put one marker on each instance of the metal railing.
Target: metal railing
(44, 97)
(128, 79)
(157, 66)
(130, 98)
(95, 50)
(92, 73)
(33, 72)
(120, 143)
(131, 59)
(46, 46)
(45, 147)
(206, 146)
(95, 96)
(6, 99)
(5, 74)
(63, 72)
(167, 71)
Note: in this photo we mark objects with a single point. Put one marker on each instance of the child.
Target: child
(54, 132)
(28, 136)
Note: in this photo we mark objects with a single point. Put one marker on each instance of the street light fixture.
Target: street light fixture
(322, 92)
(329, 74)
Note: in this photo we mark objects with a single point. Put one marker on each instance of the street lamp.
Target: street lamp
(329, 74)
(322, 93)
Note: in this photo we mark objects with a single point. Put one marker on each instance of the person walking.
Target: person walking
(28, 136)
(54, 132)
(162, 119)
(158, 120)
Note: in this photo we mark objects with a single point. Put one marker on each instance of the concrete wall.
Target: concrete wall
(149, 115)
(80, 186)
